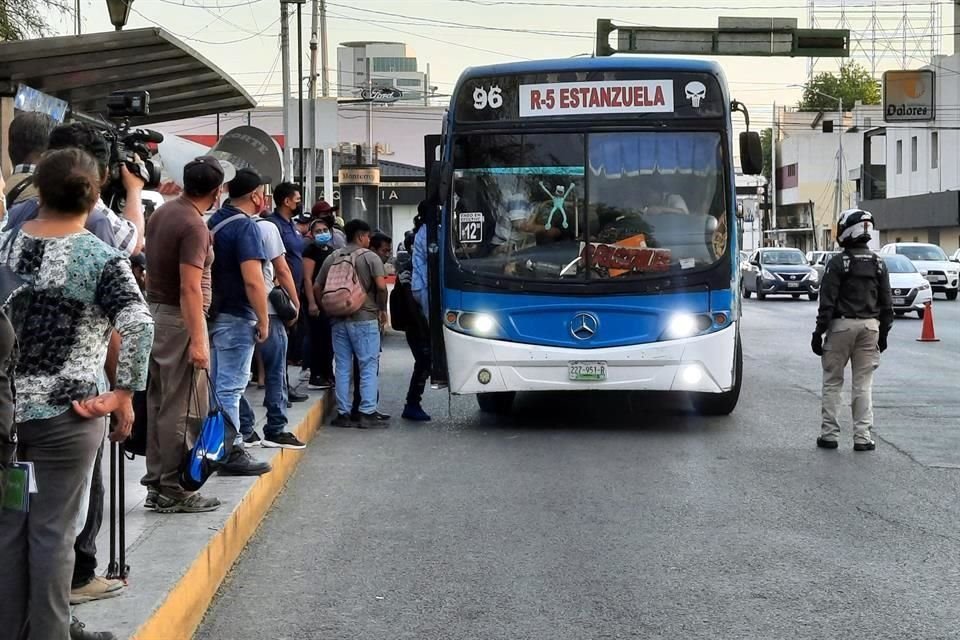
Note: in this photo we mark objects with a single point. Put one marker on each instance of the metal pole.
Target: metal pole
(300, 90)
(956, 26)
(426, 88)
(285, 64)
(369, 111)
(773, 171)
(310, 185)
(325, 70)
(77, 10)
(839, 159)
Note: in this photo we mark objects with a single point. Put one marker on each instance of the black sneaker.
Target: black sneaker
(317, 384)
(79, 632)
(194, 503)
(864, 446)
(374, 420)
(282, 440)
(827, 444)
(151, 500)
(295, 396)
(252, 440)
(343, 421)
(241, 463)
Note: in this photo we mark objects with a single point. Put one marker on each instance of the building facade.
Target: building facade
(912, 182)
(390, 64)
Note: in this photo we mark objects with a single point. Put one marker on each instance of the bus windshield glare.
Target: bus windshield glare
(588, 206)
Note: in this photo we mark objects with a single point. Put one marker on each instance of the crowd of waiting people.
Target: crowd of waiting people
(234, 292)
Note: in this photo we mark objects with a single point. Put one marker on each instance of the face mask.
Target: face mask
(322, 238)
(298, 210)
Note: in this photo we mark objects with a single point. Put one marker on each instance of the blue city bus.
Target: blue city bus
(586, 231)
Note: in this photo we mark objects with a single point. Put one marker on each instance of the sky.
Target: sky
(242, 36)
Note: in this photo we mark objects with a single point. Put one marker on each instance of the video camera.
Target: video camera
(126, 144)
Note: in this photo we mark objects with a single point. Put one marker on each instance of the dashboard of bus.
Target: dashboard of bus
(569, 207)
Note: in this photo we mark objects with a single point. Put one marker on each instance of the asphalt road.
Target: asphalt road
(624, 515)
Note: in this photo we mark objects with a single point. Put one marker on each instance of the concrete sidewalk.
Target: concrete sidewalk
(177, 561)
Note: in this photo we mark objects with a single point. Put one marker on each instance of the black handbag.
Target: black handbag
(11, 282)
(282, 304)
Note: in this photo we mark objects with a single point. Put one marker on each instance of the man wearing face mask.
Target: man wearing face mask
(321, 343)
(179, 293)
(289, 202)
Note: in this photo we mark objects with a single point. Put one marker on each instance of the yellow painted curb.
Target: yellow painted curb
(187, 602)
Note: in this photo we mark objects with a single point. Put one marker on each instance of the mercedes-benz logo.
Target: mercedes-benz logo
(584, 325)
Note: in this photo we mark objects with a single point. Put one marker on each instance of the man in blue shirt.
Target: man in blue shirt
(239, 315)
(289, 206)
(419, 284)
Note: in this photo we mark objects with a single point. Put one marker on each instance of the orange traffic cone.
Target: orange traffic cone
(927, 334)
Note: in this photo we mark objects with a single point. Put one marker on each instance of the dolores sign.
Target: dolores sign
(909, 96)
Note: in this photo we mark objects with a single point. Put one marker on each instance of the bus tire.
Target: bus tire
(498, 403)
(722, 404)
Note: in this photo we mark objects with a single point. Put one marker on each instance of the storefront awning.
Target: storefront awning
(83, 70)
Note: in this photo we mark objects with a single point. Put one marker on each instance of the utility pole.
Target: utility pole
(426, 87)
(325, 70)
(300, 90)
(370, 111)
(310, 181)
(775, 135)
(956, 26)
(839, 163)
(285, 65)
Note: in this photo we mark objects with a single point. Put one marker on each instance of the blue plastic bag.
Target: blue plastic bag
(208, 450)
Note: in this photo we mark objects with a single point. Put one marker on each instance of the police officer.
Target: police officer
(855, 316)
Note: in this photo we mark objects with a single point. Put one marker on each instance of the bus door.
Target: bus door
(436, 196)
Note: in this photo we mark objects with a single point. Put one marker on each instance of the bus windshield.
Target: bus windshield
(575, 206)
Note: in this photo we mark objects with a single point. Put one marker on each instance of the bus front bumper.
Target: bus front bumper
(702, 363)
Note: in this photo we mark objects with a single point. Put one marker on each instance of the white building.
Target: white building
(912, 182)
(391, 64)
(808, 166)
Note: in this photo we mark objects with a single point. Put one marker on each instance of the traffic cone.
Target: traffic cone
(927, 334)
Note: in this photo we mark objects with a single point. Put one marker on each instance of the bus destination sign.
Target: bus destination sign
(610, 93)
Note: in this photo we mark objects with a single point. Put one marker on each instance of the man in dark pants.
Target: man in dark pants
(406, 314)
(856, 314)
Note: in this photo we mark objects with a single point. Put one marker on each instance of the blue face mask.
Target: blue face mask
(322, 238)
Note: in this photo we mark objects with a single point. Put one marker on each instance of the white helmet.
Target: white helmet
(854, 227)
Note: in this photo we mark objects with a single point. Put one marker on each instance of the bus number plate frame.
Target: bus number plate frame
(587, 371)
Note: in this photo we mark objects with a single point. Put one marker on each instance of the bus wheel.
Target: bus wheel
(499, 403)
(721, 404)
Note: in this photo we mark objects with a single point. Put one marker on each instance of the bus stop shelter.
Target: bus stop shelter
(83, 70)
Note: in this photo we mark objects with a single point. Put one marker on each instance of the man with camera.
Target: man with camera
(123, 233)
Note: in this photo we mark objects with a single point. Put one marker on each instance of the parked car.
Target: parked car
(910, 290)
(956, 256)
(747, 270)
(932, 262)
(821, 259)
(781, 272)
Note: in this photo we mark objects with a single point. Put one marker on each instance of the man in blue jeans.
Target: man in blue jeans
(358, 335)
(239, 309)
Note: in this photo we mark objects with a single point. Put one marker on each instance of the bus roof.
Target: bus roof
(640, 63)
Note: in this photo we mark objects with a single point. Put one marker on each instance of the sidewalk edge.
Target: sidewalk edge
(187, 602)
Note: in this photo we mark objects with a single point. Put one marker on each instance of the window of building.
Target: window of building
(791, 170)
(934, 150)
(394, 65)
(899, 157)
(409, 82)
(913, 153)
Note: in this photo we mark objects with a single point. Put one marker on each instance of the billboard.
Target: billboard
(909, 96)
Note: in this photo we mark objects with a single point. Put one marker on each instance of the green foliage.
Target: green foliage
(766, 140)
(853, 83)
(25, 19)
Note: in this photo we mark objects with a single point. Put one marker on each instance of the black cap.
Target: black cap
(244, 183)
(203, 175)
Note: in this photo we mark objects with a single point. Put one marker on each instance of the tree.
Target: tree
(853, 83)
(766, 140)
(23, 19)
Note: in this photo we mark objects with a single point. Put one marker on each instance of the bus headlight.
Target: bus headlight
(480, 323)
(682, 325)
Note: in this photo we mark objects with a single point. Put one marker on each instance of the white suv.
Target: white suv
(943, 275)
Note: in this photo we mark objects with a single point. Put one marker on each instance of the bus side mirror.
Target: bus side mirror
(751, 153)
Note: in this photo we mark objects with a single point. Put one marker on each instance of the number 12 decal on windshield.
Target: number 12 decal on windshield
(483, 98)
(470, 228)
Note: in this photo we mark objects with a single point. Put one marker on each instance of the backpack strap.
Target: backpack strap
(223, 223)
(18, 190)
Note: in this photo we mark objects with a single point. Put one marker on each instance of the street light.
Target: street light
(119, 12)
